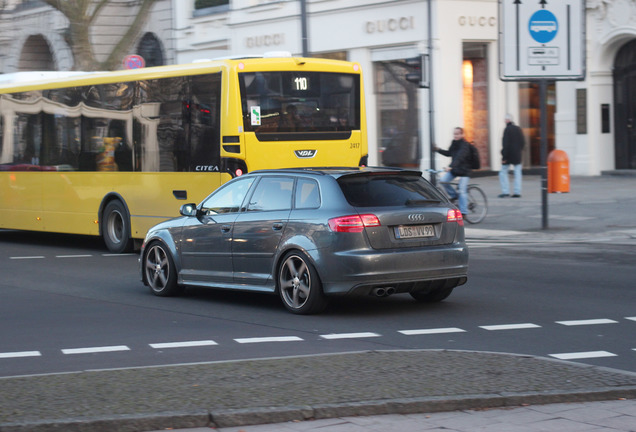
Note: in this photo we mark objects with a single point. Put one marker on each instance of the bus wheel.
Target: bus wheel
(116, 228)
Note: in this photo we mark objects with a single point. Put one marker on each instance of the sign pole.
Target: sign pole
(543, 96)
(538, 42)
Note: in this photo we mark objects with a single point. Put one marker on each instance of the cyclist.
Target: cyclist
(459, 152)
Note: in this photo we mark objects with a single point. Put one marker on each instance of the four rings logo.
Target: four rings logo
(416, 217)
(305, 154)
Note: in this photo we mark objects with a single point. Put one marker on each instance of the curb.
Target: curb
(246, 417)
(265, 415)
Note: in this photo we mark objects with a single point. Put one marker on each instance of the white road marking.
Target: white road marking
(566, 218)
(27, 257)
(349, 335)
(19, 354)
(185, 344)
(583, 355)
(631, 318)
(587, 322)
(268, 339)
(431, 331)
(73, 256)
(96, 349)
(510, 326)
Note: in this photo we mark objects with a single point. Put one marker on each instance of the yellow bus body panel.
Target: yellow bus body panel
(69, 202)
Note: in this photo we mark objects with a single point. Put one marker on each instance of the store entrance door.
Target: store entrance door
(625, 103)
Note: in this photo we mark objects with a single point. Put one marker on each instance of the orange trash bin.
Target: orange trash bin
(558, 172)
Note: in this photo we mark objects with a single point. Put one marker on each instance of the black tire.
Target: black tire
(116, 228)
(477, 205)
(439, 291)
(160, 272)
(299, 285)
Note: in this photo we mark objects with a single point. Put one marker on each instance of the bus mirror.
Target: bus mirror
(189, 209)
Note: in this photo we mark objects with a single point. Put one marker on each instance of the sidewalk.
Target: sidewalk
(616, 416)
(595, 209)
(406, 391)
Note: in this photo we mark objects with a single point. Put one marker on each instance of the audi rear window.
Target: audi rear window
(388, 190)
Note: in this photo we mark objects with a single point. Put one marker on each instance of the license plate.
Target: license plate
(414, 231)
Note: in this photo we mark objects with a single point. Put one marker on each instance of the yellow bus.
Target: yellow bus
(114, 153)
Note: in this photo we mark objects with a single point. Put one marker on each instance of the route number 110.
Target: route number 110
(300, 83)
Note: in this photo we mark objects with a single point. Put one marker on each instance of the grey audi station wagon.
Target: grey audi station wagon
(309, 234)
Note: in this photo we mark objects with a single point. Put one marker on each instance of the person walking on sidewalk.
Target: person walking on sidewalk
(512, 145)
(459, 152)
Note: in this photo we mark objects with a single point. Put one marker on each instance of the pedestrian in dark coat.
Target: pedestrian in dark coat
(511, 157)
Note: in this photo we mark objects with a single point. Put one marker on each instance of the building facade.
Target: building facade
(34, 36)
(593, 121)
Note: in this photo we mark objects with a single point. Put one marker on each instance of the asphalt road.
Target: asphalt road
(68, 305)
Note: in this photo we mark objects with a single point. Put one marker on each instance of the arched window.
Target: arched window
(151, 50)
(36, 55)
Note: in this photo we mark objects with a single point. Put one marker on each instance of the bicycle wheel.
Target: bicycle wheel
(477, 205)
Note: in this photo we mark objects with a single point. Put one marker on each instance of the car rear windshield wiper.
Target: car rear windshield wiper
(415, 202)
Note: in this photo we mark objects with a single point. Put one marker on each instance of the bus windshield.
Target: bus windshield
(280, 105)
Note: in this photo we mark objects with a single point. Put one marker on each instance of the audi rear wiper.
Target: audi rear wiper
(414, 202)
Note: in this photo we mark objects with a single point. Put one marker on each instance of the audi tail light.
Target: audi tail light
(455, 216)
(353, 223)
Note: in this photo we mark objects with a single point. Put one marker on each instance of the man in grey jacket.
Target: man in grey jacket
(512, 146)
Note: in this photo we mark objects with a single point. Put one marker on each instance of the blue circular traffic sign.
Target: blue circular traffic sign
(543, 26)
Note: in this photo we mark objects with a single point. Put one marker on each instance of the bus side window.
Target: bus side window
(162, 111)
(205, 120)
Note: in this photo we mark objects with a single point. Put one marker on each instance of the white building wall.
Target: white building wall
(609, 25)
(17, 25)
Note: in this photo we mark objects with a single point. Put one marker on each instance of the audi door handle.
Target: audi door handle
(277, 226)
(226, 228)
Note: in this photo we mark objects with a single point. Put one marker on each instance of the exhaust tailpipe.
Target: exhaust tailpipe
(383, 292)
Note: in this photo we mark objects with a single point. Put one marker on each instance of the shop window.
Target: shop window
(530, 119)
(475, 98)
(398, 114)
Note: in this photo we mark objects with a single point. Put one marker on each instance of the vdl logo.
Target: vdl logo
(543, 26)
(305, 154)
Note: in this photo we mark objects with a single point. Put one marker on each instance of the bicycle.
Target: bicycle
(477, 202)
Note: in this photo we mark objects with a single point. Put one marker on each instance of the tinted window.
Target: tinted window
(300, 101)
(387, 190)
(228, 199)
(272, 193)
(178, 125)
(307, 194)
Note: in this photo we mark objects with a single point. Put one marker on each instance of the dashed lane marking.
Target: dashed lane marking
(20, 354)
(186, 344)
(587, 322)
(268, 339)
(69, 256)
(27, 257)
(416, 332)
(582, 355)
(350, 335)
(510, 326)
(336, 336)
(93, 350)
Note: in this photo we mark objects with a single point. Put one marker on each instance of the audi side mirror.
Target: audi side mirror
(189, 209)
